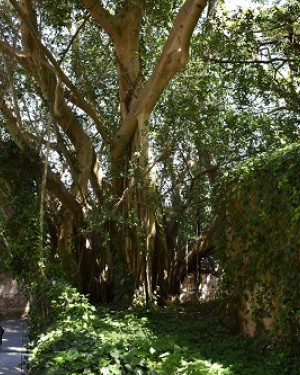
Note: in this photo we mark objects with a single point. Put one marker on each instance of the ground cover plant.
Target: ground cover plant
(190, 339)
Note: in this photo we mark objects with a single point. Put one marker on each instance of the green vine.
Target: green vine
(258, 205)
(19, 183)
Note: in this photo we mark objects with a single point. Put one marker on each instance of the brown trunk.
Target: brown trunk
(66, 246)
(95, 263)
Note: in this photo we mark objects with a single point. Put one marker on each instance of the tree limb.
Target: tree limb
(56, 187)
(21, 57)
(175, 56)
(12, 88)
(86, 106)
(254, 61)
(101, 16)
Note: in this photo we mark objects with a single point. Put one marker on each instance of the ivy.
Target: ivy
(258, 238)
(19, 183)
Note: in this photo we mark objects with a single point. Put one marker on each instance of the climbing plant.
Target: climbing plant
(258, 240)
(19, 183)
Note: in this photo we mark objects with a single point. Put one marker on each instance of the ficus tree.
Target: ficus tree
(80, 81)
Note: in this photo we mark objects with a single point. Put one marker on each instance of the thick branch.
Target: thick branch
(254, 61)
(67, 155)
(174, 57)
(202, 245)
(96, 177)
(56, 187)
(28, 24)
(12, 125)
(101, 16)
(124, 31)
(86, 106)
(127, 45)
(83, 144)
(20, 56)
(12, 88)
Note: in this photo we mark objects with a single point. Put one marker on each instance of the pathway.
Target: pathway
(13, 354)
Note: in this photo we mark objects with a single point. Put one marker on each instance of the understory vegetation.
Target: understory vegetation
(185, 339)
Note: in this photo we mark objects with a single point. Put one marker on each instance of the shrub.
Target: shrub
(63, 340)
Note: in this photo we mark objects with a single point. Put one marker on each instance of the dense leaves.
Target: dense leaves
(19, 180)
(258, 240)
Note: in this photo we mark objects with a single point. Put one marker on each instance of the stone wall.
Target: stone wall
(12, 298)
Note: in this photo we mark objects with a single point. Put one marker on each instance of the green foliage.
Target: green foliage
(19, 214)
(64, 303)
(77, 339)
(258, 237)
(250, 72)
(231, 102)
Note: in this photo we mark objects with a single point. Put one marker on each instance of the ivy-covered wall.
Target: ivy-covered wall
(20, 174)
(258, 242)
